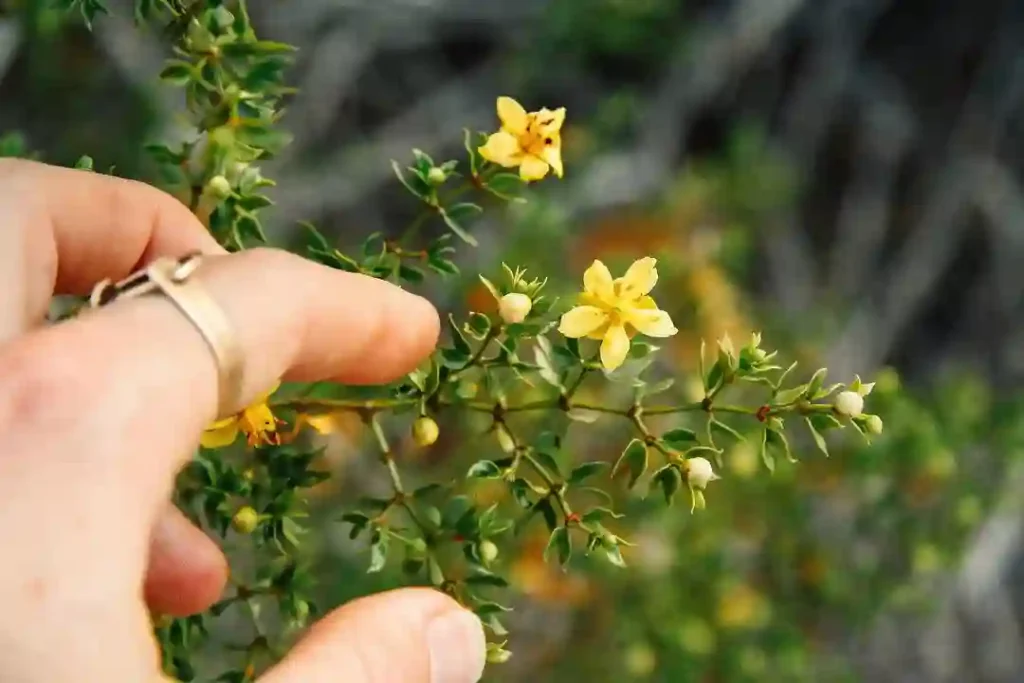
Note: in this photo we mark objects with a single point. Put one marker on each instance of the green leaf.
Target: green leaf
(479, 325)
(715, 377)
(544, 357)
(819, 440)
(778, 440)
(559, 546)
(482, 577)
(670, 479)
(646, 390)
(485, 469)
(359, 522)
(595, 515)
(177, 72)
(454, 358)
(817, 380)
(825, 421)
(614, 555)
(547, 510)
(423, 161)
(415, 191)
(507, 186)
(679, 439)
(378, 551)
(584, 472)
(248, 226)
(726, 429)
(454, 217)
(434, 571)
(459, 340)
(472, 149)
(490, 287)
(787, 396)
(632, 460)
(766, 457)
(547, 461)
(785, 374)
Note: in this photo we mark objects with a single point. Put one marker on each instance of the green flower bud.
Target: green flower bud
(219, 187)
(436, 176)
(425, 431)
(873, 424)
(496, 654)
(301, 611)
(488, 552)
(245, 520)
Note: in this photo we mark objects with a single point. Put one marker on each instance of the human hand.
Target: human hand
(98, 414)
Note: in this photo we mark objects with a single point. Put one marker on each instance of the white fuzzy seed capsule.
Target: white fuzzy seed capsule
(514, 307)
(700, 473)
(849, 404)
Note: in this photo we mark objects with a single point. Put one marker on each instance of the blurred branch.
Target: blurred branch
(10, 39)
(865, 212)
(945, 194)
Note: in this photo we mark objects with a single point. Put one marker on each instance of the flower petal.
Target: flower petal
(581, 321)
(220, 434)
(645, 302)
(597, 281)
(652, 322)
(325, 423)
(513, 116)
(640, 279)
(503, 149)
(553, 155)
(614, 347)
(532, 168)
(599, 333)
(550, 122)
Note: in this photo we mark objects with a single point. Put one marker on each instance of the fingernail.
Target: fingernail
(457, 648)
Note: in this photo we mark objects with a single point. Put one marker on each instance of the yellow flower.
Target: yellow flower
(530, 140)
(613, 310)
(256, 421)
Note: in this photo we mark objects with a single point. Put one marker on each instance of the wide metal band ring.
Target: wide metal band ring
(173, 279)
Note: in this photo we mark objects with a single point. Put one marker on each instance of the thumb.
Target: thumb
(413, 635)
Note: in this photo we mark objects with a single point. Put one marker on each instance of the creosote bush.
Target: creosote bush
(528, 360)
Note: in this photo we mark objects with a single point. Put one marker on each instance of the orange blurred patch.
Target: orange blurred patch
(480, 299)
(531, 575)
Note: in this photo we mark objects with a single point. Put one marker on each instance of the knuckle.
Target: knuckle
(268, 259)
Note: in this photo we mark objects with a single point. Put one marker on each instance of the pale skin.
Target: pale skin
(97, 415)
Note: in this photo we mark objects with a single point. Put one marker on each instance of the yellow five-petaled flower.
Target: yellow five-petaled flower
(256, 421)
(612, 310)
(530, 140)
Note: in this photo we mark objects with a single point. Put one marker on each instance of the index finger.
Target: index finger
(119, 397)
(66, 229)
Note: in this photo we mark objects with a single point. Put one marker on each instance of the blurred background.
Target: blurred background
(844, 175)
